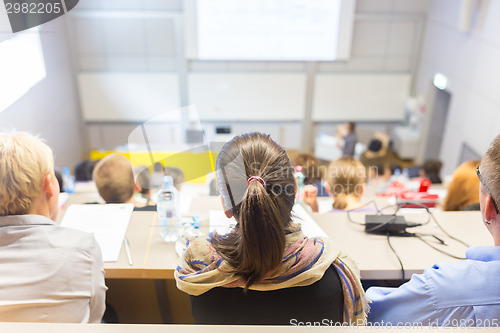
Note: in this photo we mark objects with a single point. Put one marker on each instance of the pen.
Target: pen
(127, 249)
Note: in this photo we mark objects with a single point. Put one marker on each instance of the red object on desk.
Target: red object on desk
(424, 185)
(422, 198)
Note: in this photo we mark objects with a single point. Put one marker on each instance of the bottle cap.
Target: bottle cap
(168, 181)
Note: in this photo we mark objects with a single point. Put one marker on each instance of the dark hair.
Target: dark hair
(379, 169)
(394, 166)
(58, 175)
(255, 247)
(432, 168)
(84, 170)
(352, 126)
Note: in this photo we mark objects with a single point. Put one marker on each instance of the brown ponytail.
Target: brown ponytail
(254, 249)
(340, 201)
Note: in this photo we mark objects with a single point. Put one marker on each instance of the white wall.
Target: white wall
(387, 37)
(51, 108)
(470, 61)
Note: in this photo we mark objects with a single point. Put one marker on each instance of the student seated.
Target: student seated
(462, 191)
(143, 180)
(378, 175)
(265, 271)
(431, 169)
(114, 178)
(83, 170)
(465, 293)
(48, 273)
(312, 172)
(345, 181)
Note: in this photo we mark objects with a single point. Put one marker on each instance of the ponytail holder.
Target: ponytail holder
(257, 178)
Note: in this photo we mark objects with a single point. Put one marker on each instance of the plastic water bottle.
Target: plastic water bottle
(300, 182)
(396, 175)
(167, 206)
(68, 181)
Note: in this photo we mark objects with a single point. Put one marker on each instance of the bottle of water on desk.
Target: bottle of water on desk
(299, 175)
(68, 181)
(167, 206)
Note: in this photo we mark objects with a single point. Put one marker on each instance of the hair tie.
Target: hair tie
(257, 178)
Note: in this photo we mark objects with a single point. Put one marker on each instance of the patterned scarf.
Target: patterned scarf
(304, 262)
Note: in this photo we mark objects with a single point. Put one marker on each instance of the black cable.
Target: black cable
(397, 256)
(406, 234)
(446, 233)
(437, 249)
(402, 204)
(406, 203)
(360, 207)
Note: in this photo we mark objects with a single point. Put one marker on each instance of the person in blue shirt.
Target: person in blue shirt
(466, 293)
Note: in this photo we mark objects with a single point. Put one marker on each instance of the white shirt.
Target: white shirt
(49, 273)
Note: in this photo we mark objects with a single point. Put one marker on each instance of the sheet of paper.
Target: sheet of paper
(108, 223)
(220, 223)
(309, 226)
(63, 198)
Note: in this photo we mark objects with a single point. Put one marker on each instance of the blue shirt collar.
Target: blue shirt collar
(483, 253)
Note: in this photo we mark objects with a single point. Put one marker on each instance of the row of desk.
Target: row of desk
(155, 259)
(137, 291)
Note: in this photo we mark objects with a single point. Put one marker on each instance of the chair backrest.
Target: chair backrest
(231, 306)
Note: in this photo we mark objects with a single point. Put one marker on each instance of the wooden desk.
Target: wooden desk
(135, 289)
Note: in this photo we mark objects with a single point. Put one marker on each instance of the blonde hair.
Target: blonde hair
(114, 178)
(463, 190)
(24, 161)
(345, 176)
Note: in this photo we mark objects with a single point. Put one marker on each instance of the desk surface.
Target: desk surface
(154, 259)
(374, 256)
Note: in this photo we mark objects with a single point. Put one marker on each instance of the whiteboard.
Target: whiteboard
(360, 97)
(283, 30)
(134, 97)
(248, 96)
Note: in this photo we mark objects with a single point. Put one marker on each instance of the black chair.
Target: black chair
(323, 300)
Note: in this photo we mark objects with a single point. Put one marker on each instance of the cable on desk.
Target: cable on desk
(437, 249)
(435, 221)
(397, 256)
(349, 217)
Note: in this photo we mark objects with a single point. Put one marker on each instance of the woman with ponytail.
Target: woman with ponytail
(247, 275)
(345, 181)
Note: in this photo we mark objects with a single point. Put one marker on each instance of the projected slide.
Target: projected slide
(267, 29)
